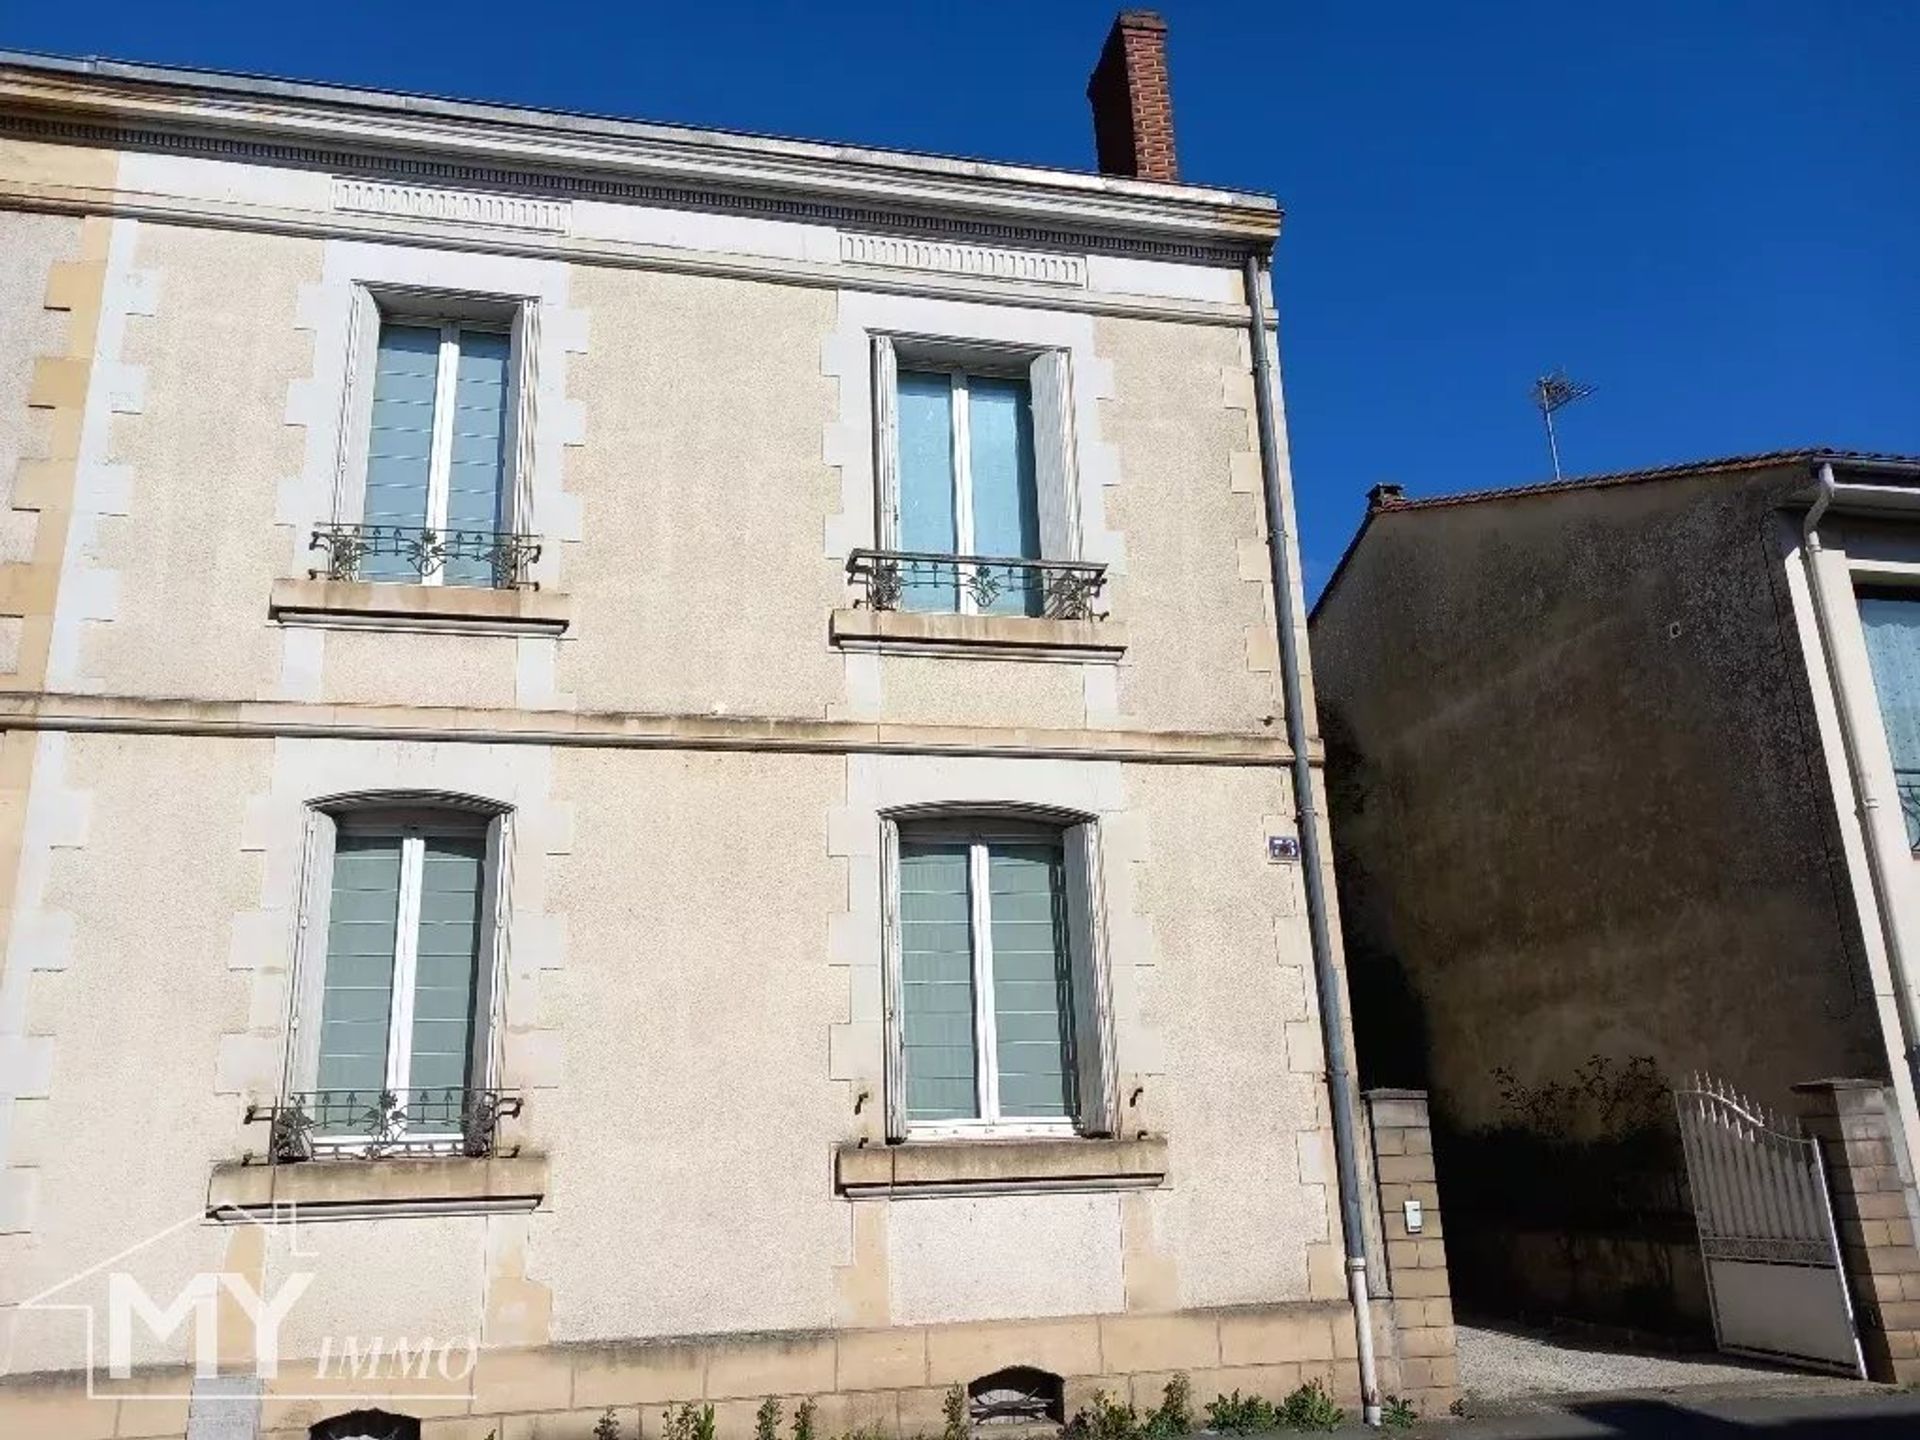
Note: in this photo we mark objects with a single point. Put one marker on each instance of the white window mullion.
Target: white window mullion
(406, 959)
(962, 483)
(440, 466)
(987, 1071)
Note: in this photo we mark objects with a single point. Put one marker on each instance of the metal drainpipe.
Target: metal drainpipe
(1307, 818)
(1866, 798)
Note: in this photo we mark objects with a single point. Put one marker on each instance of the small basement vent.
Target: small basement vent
(367, 1425)
(1017, 1395)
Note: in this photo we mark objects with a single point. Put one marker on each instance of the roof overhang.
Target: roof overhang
(226, 116)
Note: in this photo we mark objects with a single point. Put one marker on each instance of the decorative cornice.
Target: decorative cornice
(447, 144)
(467, 207)
(903, 254)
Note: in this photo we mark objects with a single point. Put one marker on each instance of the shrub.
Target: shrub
(803, 1420)
(1239, 1415)
(1311, 1408)
(1397, 1413)
(959, 1423)
(766, 1420)
(607, 1427)
(1175, 1415)
(687, 1423)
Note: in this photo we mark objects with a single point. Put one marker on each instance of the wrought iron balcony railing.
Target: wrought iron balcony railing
(368, 1124)
(496, 558)
(993, 585)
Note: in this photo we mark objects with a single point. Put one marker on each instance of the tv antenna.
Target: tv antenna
(1550, 393)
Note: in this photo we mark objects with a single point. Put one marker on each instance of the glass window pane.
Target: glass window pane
(1006, 504)
(936, 966)
(1032, 1009)
(926, 500)
(400, 439)
(1891, 620)
(357, 989)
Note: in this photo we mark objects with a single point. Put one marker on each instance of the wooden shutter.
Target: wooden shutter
(1056, 486)
(522, 400)
(356, 407)
(1092, 993)
(491, 979)
(892, 982)
(310, 953)
(886, 444)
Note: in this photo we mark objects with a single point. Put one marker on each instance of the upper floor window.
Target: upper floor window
(401, 927)
(1890, 619)
(437, 442)
(997, 1011)
(978, 511)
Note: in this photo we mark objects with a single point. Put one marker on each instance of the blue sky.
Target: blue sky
(1709, 209)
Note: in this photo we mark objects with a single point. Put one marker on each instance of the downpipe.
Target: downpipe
(1866, 798)
(1306, 817)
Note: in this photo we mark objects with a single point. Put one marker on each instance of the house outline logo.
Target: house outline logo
(197, 1303)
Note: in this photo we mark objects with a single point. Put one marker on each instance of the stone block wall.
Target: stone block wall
(1871, 1211)
(1417, 1362)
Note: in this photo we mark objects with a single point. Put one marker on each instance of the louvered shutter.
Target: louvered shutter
(1054, 468)
(892, 981)
(1092, 993)
(886, 444)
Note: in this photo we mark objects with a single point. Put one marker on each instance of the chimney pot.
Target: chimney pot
(1385, 496)
(1132, 102)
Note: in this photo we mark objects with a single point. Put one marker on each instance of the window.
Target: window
(438, 444)
(396, 986)
(996, 991)
(436, 441)
(975, 464)
(1891, 622)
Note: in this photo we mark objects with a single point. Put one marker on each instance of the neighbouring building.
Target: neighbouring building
(1625, 785)
(642, 766)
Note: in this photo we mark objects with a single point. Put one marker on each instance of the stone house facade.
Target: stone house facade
(641, 760)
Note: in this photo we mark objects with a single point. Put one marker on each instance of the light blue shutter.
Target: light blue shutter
(1032, 1004)
(936, 963)
(400, 440)
(477, 472)
(357, 989)
(445, 964)
(926, 519)
(1006, 505)
(1892, 626)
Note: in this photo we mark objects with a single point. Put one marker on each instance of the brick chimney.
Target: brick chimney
(1132, 105)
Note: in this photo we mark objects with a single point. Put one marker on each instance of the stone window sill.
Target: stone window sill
(977, 1167)
(1018, 637)
(349, 1189)
(465, 609)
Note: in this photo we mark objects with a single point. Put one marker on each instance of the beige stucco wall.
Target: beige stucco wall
(689, 995)
(690, 1122)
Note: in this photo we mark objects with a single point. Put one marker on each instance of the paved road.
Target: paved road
(1680, 1415)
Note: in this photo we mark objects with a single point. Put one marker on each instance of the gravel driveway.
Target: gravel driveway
(1509, 1364)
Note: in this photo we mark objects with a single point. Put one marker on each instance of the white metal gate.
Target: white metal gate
(1774, 1276)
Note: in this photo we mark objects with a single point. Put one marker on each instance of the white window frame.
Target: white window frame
(1049, 380)
(414, 819)
(518, 318)
(1090, 1050)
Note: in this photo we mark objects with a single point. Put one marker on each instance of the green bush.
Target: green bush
(1236, 1414)
(954, 1407)
(607, 1427)
(1311, 1408)
(687, 1423)
(1109, 1419)
(1397, 1413)
(803, 1420)
(766, 1420)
